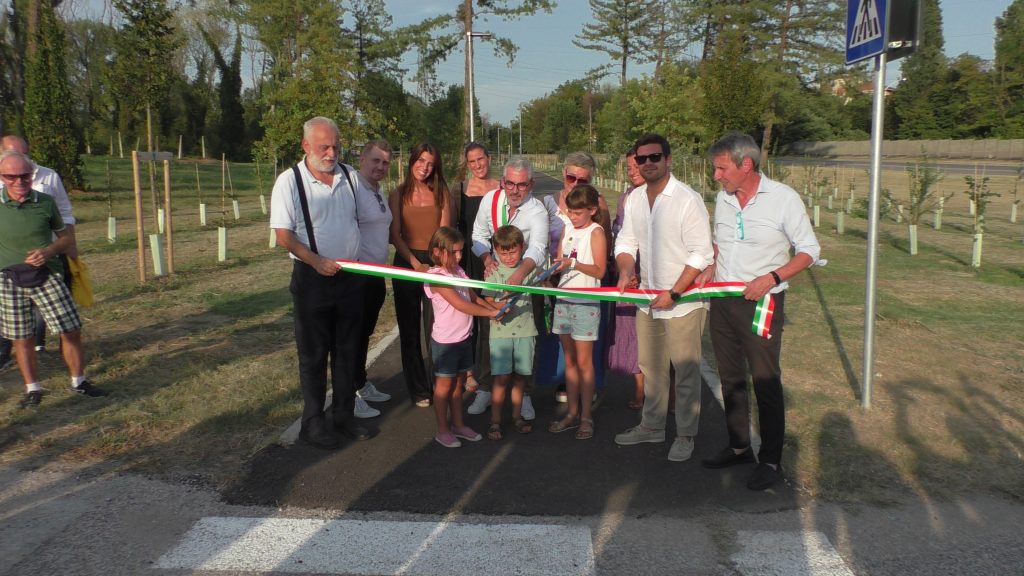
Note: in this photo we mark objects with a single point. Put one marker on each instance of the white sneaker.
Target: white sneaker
(370, 393)
(528, 413)
(364, 410)
(480, 403)
(681, 450)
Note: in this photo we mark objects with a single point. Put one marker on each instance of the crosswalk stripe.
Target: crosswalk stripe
(807, 553)
(382, 547)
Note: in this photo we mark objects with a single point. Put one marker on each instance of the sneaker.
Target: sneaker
(681, 450)
(481, 402)
(31, 399)
(764, 476)
(87, 389)
(638, 435)
(364, 410)
(370, 393)
(527, 412)
(40, 349)
(448, 440)
(423, 403)
(466, 433)
(560, 396)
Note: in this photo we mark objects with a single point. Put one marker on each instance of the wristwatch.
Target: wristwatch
(674, 295)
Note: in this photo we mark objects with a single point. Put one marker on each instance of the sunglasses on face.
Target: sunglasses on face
(26, 177)
(643, 158)
(571, 179)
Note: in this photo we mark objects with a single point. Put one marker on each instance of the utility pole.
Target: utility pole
(468, 91)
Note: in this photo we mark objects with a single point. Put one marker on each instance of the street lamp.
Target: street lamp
(469, 55)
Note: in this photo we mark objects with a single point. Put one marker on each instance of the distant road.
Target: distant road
(991, 167)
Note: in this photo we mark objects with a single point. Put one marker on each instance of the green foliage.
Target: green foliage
(921, 94)
(231, 125)
(1009, 71)
(673, 109)
(980, 195)
(140, 76)
(924, 175)
(623, 29)
(52, 137)
(733, 98)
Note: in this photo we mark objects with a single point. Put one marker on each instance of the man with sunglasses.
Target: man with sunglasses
(32, 235)
(512, 204)
(374, 217)
(758, 221)
(665, 225)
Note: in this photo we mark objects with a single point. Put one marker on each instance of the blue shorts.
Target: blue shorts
(450, 360)
(579, 320)
(512, 355)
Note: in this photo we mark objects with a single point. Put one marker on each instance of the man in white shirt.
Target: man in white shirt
(327, 301)
(512, 204)
(665, 225)
(757, 222)
(374, 216)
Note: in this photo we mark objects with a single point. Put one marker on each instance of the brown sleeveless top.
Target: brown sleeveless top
(418, 224)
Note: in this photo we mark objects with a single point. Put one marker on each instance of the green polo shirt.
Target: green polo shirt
(518, 323)
(27, 226)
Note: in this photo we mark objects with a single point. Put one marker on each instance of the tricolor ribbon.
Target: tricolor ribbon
(499, 209)
(762, 317)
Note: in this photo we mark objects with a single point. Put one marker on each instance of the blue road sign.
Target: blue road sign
(866, 32)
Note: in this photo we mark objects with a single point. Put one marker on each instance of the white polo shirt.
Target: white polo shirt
(331, 208)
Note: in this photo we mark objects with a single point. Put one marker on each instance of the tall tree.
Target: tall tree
(733, 93)
(918, 96)
(1009, 70)
(623, 29)
(231, 125)
(48, 113)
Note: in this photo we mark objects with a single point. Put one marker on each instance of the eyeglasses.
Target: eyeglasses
(574, 180)
(26, 177)
(643, 158)
(520, 186)
(739, 234)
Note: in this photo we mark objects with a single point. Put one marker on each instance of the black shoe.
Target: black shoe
(352, 430)
(87, 389)
(764, 476)
(728, 457)
(316, 434)
(31, 399)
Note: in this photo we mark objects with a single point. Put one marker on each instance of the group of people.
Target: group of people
(488, 342)
(37, 236)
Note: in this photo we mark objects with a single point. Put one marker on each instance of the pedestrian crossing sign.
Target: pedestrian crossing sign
(865, 29)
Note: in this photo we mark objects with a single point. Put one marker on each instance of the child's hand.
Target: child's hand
(564, 264)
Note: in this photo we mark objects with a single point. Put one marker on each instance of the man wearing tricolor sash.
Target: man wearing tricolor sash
(758, 223)
(511, 204)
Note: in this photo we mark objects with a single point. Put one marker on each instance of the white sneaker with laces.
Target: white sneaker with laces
(364, 410)
(370, 393)
(528, 413)
(480, 402)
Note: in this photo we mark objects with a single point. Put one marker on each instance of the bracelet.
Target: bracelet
(775, 275)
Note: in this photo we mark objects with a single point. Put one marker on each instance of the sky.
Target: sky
(548, 58)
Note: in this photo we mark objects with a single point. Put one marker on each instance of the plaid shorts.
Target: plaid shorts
(53, 299)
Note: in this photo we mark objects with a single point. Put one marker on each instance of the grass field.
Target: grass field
(203, 371)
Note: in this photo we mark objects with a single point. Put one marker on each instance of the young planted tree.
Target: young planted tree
(980, 195)
(924, 176)
(1016, 190)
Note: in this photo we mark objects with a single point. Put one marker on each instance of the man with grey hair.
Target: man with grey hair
(32, 235)
(314, 216)
(758, 222)
(512, 204)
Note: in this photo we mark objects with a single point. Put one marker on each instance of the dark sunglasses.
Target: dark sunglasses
(576, 179)
(27, 177)
(642, 159)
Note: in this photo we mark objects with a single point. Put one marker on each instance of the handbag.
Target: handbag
(25, 275)
(81, 283)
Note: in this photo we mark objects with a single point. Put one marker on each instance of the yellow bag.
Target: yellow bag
(81, 285)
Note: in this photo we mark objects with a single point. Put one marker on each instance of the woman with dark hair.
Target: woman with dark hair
(420, 205)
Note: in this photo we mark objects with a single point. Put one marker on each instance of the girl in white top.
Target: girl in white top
(582, 256)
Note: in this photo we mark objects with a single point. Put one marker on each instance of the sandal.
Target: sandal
(494, 432)
(567, 423)
(522, 426)
(586, 429)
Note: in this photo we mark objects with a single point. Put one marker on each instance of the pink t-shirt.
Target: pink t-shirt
(450, 325)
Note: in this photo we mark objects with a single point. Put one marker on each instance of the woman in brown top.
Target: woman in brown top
(420, 206)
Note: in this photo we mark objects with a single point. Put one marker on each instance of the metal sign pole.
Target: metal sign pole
(877, 123)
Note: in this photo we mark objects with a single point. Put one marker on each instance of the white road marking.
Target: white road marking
(767, 553)
(380, 547)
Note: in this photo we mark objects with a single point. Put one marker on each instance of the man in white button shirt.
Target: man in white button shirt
(665, 225)
(328, 302)
(758, 221)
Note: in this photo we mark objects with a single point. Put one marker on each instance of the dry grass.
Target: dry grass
(202, 365)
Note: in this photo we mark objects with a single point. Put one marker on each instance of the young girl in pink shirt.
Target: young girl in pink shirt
(450, 344)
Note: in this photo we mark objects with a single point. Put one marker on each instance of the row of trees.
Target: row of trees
(240, 76)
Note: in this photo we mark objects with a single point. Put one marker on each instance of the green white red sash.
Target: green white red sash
(499, 209)
(762, 317)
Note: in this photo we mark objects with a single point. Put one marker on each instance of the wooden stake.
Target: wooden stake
(139, 228)
(168, 217)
